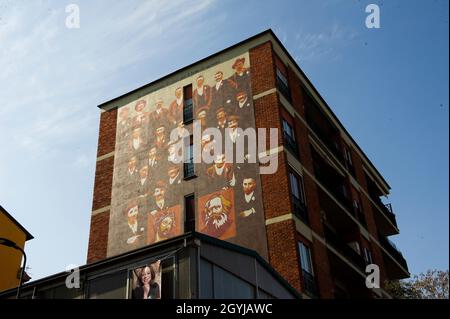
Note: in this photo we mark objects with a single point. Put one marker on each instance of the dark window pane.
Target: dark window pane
(189, 206)
(109, 287)
(228, 286)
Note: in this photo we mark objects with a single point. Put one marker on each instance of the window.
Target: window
(283, 84)
(298, 196)
(188, 164)
(189, 208)
(309, 283)
(218, 283)
(367, 256)
(289, 137)
(112, 286)
(188, 108)
(348, 160)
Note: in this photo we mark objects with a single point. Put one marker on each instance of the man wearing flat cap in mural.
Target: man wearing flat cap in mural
(241, 78)
(159, 202)
(160, 116)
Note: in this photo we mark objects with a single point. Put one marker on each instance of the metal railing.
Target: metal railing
(393, 250)
(341, 246)
(386, 209)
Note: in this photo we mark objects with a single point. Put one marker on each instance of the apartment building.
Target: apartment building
(318, 220)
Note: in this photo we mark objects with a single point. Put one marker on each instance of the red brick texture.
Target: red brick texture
(103, 183)
(262, 68)
(107, 132)
(283, 253)
(98, 237)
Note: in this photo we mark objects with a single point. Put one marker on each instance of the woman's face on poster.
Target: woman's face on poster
(146, 276)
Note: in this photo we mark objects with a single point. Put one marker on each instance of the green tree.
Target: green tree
(433, 284)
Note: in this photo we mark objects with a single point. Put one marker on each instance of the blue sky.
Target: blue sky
(388, 86)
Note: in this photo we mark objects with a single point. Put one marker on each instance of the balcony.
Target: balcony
(386, 209)
(299, 209)
(342, 247)
(332, 186)
(393, 251)
(309, 284)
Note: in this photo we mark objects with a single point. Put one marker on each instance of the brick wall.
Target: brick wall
(98, 235)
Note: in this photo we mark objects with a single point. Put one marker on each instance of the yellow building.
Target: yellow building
(11, 258)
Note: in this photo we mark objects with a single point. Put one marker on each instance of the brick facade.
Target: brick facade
(282, 235)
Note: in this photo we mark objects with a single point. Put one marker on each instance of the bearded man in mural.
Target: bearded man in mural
(218, 216)
(165, 226)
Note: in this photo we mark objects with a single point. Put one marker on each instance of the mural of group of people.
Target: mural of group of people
(148, 188)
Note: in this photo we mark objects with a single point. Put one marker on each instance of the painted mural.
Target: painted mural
(149, 189)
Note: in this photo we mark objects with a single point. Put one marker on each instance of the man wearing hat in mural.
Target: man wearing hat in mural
(240, 80)
(124, 125)
(135, 224)
(221, 92)
(202, 94)
(161, 138)
(202, 116)
(159, 202)
(136, 142)
(221, 119)
(176, 107)
(141, 117)
(144, 181)
(242, 107)
(132, 172)
(160, 116)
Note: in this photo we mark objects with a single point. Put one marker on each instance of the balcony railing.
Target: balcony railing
(341, 246)
(333, 188)
(290, 144)
(309, 284)
(325, 138)
(386, 209)
(392, 250)
(299, 209)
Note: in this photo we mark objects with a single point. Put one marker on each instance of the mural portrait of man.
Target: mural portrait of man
(217, 218)
(164, 225)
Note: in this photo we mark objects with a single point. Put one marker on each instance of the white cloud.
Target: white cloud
(52, 76)
(325, 44)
